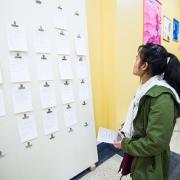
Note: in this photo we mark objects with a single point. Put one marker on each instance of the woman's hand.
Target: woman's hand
(117, 144)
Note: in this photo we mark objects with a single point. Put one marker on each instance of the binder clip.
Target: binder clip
(82, 82)
(64, 58)
(49, 111)
(2, 154)
(29, 145)
(52, 137)
(60, 7)
(41, 29)
(68, 107)
(46, 84)
(18, 56)
(76, 13)
(84, 103)
(25, 116)
(62, 33)
(70, 130)
(39, 1)
(79, 36)
(44, 57)
(21, 86)
(14, 24)
(66, 83)
(81, 59)
(86, 124)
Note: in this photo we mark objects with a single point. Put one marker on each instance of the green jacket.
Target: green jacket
(153, 128)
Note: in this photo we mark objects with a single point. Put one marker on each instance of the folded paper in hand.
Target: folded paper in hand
(107, 136)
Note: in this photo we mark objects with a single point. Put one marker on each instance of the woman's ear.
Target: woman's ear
(145, 66)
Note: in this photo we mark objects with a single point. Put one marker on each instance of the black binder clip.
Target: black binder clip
(49, 111)
(60, 7)
(18, 56)
(44, 57)
(52, 137)
(29, 145)
(68, 107)
(39, 1)
(82, 82)
(79, 36)
(81, 59)
(64, 58)
(66, 83)
(41, 29)
(76, 13)
(62, 33)
(70, 130)
(86, 124)
(21, 86)
(46, 84)
(14, 24)
(25, 116)
(2, 154)
(84, 103)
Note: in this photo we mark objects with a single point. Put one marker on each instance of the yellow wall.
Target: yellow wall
(115, 31)
(130, 23)
(94, 31)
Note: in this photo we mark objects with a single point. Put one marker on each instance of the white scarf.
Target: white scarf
(128, 128)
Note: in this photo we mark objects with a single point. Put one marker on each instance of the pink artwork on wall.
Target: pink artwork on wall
(152, 21)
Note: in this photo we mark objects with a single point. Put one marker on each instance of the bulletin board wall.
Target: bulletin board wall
(46, 119)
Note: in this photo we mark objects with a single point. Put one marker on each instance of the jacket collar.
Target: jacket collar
(158, 90)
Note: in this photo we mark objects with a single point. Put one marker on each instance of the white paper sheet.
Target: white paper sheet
(16, 37)
(19, 69)
(82, 70)
(50, 121)
(80, 45)
(60, 20)
(78, 20)
(41, 41)
(45, 71)
(70, 116)
(2, 106)
(83, 90)
(27, 128)
(22, 99)
(107, 136)
(1, 79)
(67, 93)
(47, 94)
(63, 43)
(65, 69)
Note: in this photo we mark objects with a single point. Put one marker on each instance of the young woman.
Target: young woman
(152, 113)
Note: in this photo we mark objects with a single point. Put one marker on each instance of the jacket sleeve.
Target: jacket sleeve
(158, 132)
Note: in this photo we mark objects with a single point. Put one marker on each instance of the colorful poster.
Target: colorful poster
(175, 30)
(152, 21)
(166, 28)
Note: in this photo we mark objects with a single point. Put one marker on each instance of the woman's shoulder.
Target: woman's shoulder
(159, 90)
(158, 94)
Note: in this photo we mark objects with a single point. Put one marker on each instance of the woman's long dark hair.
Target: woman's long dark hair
(161, 61)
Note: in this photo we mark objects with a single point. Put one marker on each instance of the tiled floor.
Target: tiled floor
(107, 171)
(110, 160)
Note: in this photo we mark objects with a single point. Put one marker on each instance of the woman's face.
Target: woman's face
(137, 65)
(139, 68)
